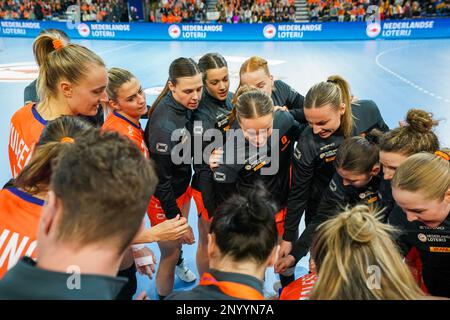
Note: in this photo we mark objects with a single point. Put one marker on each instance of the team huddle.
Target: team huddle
(376, 201)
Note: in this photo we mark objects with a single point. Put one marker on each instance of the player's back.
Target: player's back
(19, 220)
(25, 129)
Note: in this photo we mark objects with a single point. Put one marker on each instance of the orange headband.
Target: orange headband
(67, 140)
(57, 44)
(443, 155)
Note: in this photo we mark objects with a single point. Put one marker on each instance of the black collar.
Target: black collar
(179, 108)
(38, 283)
(216, 101)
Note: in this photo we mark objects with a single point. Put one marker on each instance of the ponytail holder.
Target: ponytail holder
(67, 140)
(57, 44)
(443, 155)
(331, 81)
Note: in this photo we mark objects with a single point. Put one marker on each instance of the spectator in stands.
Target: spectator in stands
(228, 11)
(183, 11)
(361, 13)
(255, 11)
(334, 13)
(314, 14)
(355, 10)
(407, 12)
(341, 13)
(134, 14)
(96, 10)
(416, 10)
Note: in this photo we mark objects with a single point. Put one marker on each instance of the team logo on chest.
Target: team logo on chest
(256, 162)
(130, 131)
(369, 196)
(222, 122)
(328, 156)
(422, 237)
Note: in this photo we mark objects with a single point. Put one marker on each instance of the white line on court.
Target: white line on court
(408, 82)
(119, 48)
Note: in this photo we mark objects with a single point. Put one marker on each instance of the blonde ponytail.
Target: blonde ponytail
(346, 249)
(334, 91)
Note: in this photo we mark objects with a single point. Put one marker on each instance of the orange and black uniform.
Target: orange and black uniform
(312, 165)
(241, 176)
(412, 256)
(25, 129)
(433, 246)
(218, 285)
(173, 188)
(118, 123)
(211, 114)
(300, 289)
(336, 197)
(19, 220)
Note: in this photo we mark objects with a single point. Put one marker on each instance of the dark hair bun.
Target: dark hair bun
(250, 211)
(420, 120)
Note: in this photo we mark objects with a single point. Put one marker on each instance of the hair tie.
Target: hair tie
(443, 155)
(57, 44)
(67, 140)
(331, 81)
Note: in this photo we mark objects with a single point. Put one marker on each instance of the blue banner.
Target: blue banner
(402, 29)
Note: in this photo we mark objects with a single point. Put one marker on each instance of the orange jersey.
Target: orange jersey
(116, 122)
(25, 129)
(19, 221)
(300, 289)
